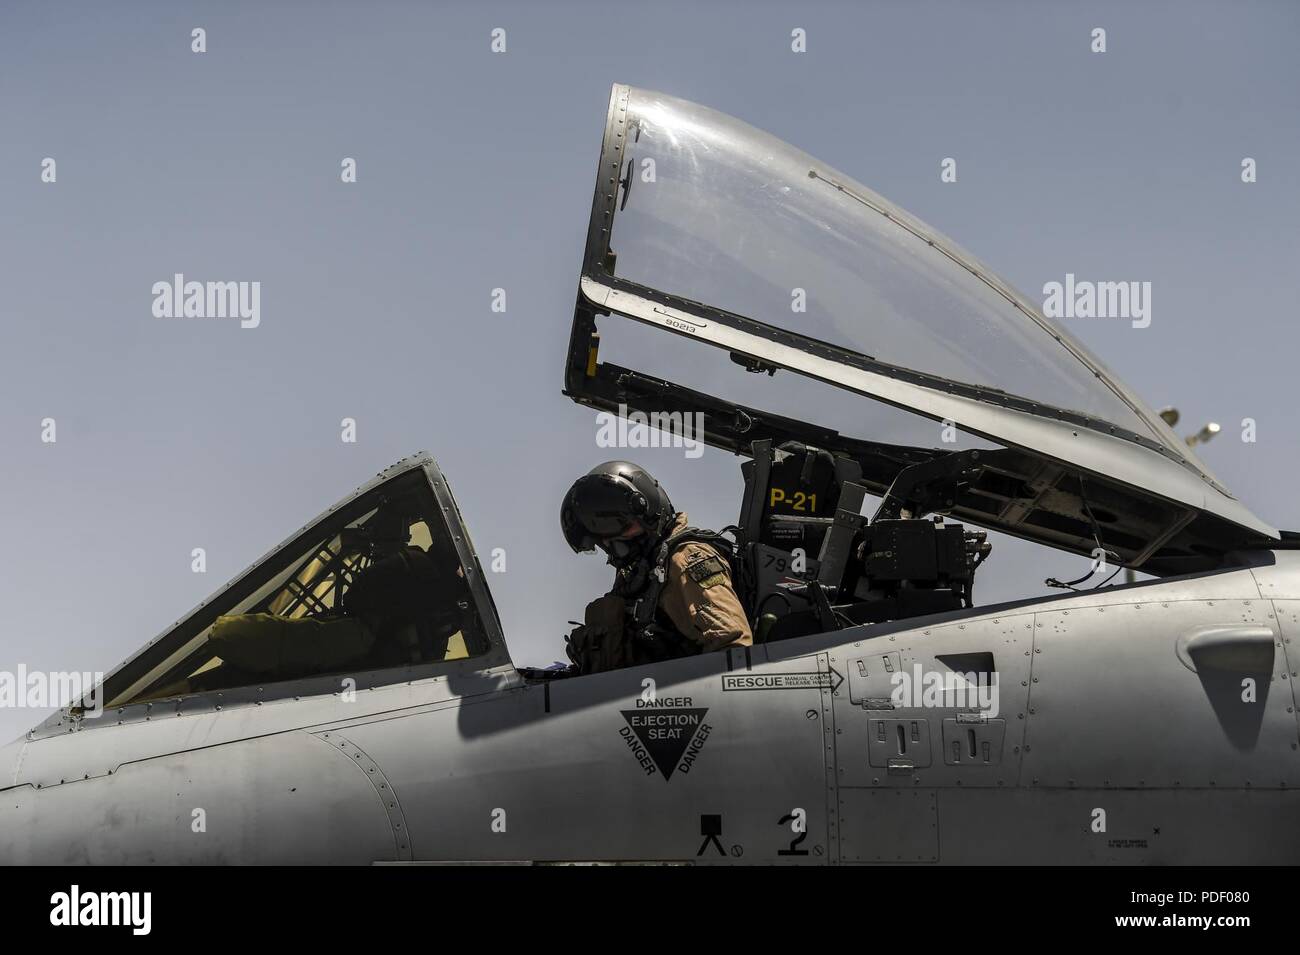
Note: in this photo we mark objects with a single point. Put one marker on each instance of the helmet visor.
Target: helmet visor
(597, 510)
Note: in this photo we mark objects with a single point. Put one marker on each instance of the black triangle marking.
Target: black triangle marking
(665, 733)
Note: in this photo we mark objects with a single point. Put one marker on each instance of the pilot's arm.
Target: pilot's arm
(701, 600)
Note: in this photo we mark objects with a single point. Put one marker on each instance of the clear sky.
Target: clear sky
(475, 172)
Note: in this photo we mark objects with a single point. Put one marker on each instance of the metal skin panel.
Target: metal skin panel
(1128, 737)
(278, 799)
(73, 756)
(504, 779)
(892, 826)
(1112, 705)
(1278, 574)
(1288, 618)
(937, 650)
(1169, 827)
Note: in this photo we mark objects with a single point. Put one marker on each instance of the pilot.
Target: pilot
(673, 593)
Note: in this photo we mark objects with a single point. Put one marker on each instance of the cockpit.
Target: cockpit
(377, 585)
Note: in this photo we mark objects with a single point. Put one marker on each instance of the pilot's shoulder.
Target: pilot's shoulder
(700, 562)
(691, 553)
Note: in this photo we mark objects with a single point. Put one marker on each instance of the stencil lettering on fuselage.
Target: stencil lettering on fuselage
(666, 734)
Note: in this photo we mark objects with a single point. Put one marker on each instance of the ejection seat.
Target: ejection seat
(798, 518)
(812, 562)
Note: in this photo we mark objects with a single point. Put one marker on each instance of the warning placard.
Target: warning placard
(781, 681)
(659, 737)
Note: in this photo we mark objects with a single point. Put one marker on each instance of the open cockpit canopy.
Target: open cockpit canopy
(710, 229)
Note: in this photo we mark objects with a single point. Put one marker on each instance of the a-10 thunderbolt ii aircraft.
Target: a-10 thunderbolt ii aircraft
(322, 708)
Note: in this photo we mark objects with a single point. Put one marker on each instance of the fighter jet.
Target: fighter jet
(351, 697)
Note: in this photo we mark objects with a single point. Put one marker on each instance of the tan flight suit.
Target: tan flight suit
(699, 597)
